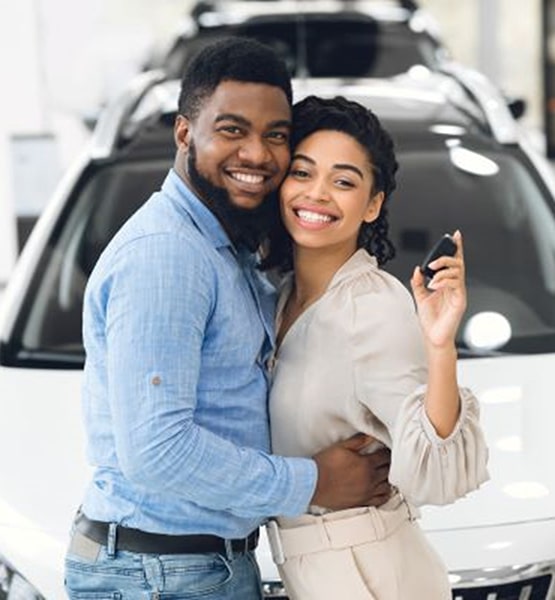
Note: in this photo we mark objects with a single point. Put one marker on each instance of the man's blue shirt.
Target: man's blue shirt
(177, 329)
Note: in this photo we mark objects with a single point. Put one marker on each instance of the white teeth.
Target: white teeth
(312, 217)
(245, 178)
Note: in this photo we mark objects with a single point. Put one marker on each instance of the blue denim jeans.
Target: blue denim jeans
(91, 573)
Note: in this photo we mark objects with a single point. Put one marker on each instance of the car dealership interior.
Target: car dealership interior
(466, 91)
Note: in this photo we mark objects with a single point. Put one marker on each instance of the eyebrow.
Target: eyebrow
(338, 166)
(246, 123)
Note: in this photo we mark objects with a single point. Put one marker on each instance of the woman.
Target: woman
(353, 356)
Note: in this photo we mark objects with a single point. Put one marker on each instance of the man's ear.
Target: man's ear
(182, 132)
(374, 207)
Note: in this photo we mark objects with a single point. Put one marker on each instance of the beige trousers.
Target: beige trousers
(358, 554)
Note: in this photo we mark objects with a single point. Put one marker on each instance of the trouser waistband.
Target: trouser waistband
(143, 542)
(332, 531)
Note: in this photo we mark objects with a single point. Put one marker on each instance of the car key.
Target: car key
(445, 246)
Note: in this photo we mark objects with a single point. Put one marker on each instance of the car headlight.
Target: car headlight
(15, 587)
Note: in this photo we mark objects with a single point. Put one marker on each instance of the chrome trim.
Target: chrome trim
(502, 575)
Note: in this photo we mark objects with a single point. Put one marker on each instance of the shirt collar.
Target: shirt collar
(359, 261)
(201, 215)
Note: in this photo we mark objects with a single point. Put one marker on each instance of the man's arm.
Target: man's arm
(347, 478)
(160, 297)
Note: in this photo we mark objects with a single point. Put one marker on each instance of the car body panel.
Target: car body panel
(492, 528)
(509, 521)
(44, 471)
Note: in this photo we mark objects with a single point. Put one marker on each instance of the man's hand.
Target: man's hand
(347, 479)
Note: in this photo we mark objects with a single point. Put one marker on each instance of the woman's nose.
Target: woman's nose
(318, 191)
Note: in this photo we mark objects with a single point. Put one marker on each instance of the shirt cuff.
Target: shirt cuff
(465, 396)
(303, 476)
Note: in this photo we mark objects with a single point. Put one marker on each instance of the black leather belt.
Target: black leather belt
(143, 542)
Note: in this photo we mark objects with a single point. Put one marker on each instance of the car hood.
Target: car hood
(516, 508)
(517, 404)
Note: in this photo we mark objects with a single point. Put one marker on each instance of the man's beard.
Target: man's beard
(244, 226)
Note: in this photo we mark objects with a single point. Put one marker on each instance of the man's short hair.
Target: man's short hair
(230, 59)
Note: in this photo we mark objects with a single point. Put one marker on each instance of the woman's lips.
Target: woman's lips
(313, 219)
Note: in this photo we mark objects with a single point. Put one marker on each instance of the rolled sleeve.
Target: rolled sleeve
(160, 299)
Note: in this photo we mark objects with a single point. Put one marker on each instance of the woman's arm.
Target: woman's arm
(441, 306)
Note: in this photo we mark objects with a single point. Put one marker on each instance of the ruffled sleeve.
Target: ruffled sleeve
(429, 469)
(390, 376)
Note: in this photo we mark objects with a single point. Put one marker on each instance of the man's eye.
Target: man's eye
(278, 136)
(232, 129)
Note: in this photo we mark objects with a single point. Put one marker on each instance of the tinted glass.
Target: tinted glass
(507, 221)
(508, 226)
(50, 325)
(338, 47)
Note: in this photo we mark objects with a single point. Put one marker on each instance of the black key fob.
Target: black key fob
(445, 246)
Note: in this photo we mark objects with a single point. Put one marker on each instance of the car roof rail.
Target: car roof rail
(114, 116)
(216, 12)
(492, 103)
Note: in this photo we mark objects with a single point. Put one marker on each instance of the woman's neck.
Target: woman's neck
(314, 269)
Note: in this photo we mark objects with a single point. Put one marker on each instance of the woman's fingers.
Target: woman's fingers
(445, 262)
(418, 284)
(457, 237)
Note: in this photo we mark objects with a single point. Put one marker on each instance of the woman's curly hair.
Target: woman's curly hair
(339, 114)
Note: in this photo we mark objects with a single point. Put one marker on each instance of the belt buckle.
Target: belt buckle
(274, 540)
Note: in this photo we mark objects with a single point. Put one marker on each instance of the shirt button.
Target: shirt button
(156, 380)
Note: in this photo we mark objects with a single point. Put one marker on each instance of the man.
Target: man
(178, 329)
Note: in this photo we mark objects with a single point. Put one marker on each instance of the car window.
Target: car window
(509, 232)
(323, 47)
(49, 328)
(506, 219)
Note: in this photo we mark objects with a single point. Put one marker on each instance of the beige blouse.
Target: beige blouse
(355, 361)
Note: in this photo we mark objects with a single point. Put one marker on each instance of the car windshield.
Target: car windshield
(508, 225)
(324, 47)
(506, 218)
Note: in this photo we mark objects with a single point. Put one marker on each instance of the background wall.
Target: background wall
(501, 38)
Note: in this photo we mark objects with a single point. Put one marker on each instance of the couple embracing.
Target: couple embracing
(211, 409)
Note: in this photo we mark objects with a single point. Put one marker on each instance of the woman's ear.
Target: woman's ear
(182, 132)
(374, 207)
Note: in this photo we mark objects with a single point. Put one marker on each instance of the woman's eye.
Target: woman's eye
(345, 183)
(299, 173)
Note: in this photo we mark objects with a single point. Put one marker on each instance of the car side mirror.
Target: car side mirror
(517, 106)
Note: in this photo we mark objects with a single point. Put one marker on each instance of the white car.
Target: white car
(464, 164)
(316, 38)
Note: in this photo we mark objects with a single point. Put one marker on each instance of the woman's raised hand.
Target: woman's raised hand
(441, 305)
